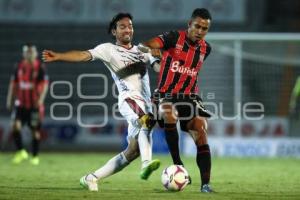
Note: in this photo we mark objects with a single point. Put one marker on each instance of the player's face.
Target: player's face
(198, 28)
(124, 31)
(29, 53)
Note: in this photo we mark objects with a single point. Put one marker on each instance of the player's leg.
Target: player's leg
(16, 131)
(35, 146)
(21, 153)
(197, 127)
(121, 160)
(169, 115)
(141, 121)
(145, 145)
(35, 126)
(112, 166)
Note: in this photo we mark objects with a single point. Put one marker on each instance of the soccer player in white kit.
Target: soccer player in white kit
(128, 68)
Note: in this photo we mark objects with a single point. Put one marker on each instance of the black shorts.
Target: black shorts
(187, 106)
(30, 117)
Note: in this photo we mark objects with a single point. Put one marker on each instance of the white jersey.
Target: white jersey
(127, 67)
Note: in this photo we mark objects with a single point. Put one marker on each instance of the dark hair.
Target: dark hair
(201, 12)
(115, 19)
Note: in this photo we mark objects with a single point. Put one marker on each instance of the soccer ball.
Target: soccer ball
(175, 178)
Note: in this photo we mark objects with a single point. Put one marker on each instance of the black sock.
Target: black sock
(204, 163)
(35, 147)
(18, 140)
(171, 135)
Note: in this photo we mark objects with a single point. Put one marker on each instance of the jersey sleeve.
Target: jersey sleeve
(168, 39)
(152, 59)
(153, 62)
(101, 52)
(208, 50)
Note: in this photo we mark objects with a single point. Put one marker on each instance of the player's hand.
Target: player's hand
(156, 53)
(50, 56)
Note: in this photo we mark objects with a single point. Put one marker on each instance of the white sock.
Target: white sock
(145, 146)
(112, 166)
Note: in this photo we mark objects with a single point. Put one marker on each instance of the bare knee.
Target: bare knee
(198, 129)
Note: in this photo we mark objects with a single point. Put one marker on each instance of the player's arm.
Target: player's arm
(150, 45)
(69, 56)
(153, 43)
(156, 53)
(101, 52)
(164, 41)
(43, 85)
(43, 93)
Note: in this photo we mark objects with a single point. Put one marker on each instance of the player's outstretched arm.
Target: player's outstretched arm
(153, 43)
(69, 56)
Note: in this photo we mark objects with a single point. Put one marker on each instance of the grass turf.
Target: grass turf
(57, 177)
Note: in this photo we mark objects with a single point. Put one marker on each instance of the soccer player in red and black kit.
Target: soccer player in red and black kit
(26, 94)
(183, 55)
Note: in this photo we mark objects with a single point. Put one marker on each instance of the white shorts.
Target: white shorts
(132, 108)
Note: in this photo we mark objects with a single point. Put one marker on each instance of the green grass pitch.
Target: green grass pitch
(57, 177)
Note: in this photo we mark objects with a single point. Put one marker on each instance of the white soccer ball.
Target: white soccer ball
(175, 178)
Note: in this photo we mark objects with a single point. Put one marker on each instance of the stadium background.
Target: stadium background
(243, 67)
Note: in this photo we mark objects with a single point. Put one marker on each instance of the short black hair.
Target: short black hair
(115, 19)
(201, 12)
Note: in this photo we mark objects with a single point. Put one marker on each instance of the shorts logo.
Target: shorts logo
(176, 67)
(25, 85)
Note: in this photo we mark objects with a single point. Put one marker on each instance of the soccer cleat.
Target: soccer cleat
(190, 180)
(147, 171)
(206, 189)
(35, 160)
(89, 182)
(20, 156)
(189, 177)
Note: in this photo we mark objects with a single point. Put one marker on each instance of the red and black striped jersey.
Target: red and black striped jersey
(181, 62)
(28, 80)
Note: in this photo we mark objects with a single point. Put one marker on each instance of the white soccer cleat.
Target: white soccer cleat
(89, 182)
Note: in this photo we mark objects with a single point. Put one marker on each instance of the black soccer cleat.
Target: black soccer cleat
(190, 180)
